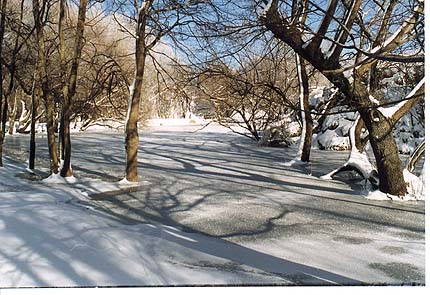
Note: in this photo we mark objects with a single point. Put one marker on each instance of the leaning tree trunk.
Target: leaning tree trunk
(304, 151)
(415, 157)
(364, 168)
(386, 153)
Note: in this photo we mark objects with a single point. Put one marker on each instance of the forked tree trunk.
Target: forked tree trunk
(358, 144)
(304, 151)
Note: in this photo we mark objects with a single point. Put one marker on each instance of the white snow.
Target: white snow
(51, 238)
(330, 140)
(58, 179)
(52, 235)
(415, 190)
(388, 112)
(377, 195)
(415, 185)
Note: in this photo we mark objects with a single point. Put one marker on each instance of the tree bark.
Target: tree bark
(386, 153)
(131, 130)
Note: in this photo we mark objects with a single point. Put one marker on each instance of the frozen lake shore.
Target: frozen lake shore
(212, 208)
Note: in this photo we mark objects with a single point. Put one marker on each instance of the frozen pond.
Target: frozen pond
(217, 184)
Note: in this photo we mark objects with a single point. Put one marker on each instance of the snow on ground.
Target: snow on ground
(53, 235)
(49, 238)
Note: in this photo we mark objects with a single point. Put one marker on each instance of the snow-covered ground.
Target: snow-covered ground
(212, 208)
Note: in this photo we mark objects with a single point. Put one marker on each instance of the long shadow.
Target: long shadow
(217, 247)
(294, 273)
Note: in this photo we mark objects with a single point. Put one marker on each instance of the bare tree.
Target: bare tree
(154, 19)
(42, 87)
(337, 28)
(69, 88)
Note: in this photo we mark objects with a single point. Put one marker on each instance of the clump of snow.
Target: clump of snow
(295, 162)
(361, 161)
(330, 140)
(415, 185)
(56, 178)
(377, 195)
(125, 181)
(358, 160)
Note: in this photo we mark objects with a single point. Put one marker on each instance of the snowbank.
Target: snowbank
(52, 237)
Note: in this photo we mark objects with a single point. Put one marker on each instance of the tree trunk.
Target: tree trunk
(304, 151)
(50, 129)
(62, 53)
(34, 104)
(386, 153)
(71, 88)
(43, 83)
(3, 102)
(131, 128)
(12, 115)
(61, 136)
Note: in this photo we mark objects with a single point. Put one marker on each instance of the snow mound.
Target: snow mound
(295, 162)
(330, 140)
(381, 196)
(415, 185)
(56, 178)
